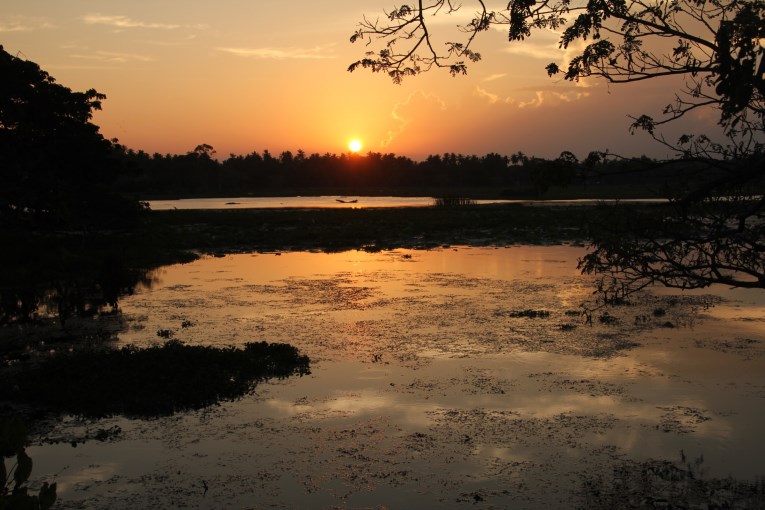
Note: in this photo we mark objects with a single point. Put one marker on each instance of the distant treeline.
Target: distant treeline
(199, 173)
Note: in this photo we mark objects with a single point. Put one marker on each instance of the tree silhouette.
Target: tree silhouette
(714, 231)
(55, 167)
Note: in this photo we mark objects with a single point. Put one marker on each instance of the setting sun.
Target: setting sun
(354, 145)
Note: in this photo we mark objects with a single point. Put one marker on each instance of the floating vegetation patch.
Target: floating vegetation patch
(551, 382)
(681, 419)
(664, 484)
(340, 293)
(748, 348)
(155, 381)
(511, 429)
(527, 314)
(607, 318)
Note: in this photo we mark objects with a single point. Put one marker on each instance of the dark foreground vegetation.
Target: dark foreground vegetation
(148, 382)
(199, 173)
(665, 484)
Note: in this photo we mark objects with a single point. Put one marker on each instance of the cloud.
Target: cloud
(493, 77)
(23, 24)
(180, 42)
(315, 53)
(413, 107)
(543, 44)
(126, 22)
(110, 56)
(552, 98)
(541, 97)
(490, 97)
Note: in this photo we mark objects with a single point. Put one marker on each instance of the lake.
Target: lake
(449, 378)
(325, 202)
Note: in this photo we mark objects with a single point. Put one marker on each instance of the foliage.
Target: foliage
(55, 167)
(261, 173)
(714, 46)
(687, 246)
(14, 494)
(154, 381)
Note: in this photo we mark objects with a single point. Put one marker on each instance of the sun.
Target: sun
(355, 145)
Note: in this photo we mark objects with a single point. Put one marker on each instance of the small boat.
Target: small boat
(346, 201)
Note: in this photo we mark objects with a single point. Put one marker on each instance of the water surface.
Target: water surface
(335, 202)
(431, 385)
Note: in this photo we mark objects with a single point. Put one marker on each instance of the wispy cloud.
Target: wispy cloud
(316, 53)
(491, 97)
(127, 22)
(545, 45)
(23, 24)
(543, 50)
(541, 97)
(179, 42)
(114, 57)
(493, 77)
(404, 112)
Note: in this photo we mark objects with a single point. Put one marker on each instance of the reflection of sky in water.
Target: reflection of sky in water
(425, 387)
(333, 202)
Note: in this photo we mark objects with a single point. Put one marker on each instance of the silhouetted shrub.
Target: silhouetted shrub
(158, 380)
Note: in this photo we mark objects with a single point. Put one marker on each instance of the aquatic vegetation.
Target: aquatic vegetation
(666, 484)
(14, 492)
(453, 201)
(529, 314)
(165, 333)
(151, 381)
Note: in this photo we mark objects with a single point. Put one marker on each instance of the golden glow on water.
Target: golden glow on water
(418, 360)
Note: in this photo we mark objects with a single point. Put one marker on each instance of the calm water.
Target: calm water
(428, 389)
(326, 202)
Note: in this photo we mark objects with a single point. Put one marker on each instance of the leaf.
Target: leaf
(13, 436)
(552, 69)
(23, 468)
(47, 495)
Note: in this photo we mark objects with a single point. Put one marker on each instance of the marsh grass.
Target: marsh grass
(453, 201)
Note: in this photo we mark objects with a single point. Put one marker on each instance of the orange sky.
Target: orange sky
(242, 75)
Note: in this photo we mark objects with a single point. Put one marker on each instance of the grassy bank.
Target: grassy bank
(341, 229)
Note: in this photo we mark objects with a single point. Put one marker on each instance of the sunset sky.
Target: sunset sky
(245, 75)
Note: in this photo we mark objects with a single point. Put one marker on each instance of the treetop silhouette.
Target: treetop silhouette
(55, 166)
